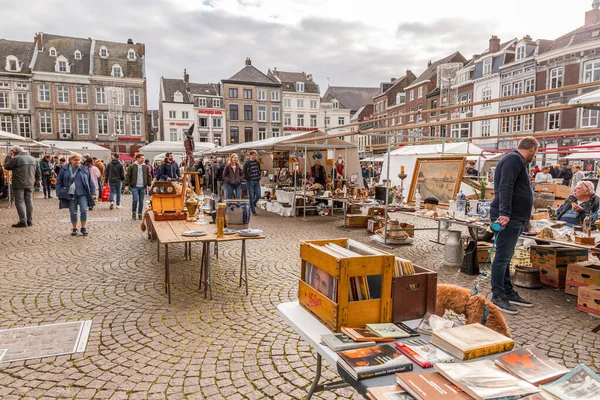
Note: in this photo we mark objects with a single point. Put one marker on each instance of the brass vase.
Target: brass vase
(192, 206)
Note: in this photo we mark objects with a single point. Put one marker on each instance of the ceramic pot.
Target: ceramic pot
(237, 214)
(483, 209)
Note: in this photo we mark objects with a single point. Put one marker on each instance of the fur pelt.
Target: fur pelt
(459, 300)
(146, 224)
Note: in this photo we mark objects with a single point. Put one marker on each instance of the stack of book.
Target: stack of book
(471, 341)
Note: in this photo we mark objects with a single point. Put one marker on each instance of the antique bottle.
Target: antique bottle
(417, 200)
(220, 220)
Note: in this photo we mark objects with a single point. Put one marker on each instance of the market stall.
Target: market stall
(66, 147)
(158, 147)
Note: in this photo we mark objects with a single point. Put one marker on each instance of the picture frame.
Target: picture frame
(438, 177)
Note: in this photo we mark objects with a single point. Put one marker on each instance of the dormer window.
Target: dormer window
(62, 65)
(117, 71)
(335, 104)
(178, 97)
(52, 52)
(12, 64)
(131, 55)
(77, 55)
(520, 52)
(487, 66)
(299, 86)
(103, 52)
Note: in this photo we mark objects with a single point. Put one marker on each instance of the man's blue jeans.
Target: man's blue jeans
(115, 189)
(137, 199)
(253, 193)
(506, 240)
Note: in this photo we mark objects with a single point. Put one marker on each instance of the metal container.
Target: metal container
(453, 249)
(527, 277)
(543, 199)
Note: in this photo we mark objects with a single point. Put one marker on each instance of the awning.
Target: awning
(592, 97)
(10, 139)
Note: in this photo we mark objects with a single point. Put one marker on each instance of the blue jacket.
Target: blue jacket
(63, 181)
(167, 170)
(513, 195)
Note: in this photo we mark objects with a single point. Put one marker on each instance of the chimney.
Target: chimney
(592, 17)
(141, 49)
(38, 39)
(129, 41)
(393, 79)
(429, 64)
(476, 56)
(186, 77)
(309, 77)
(248, 61)
(494, 44)
(274, 69)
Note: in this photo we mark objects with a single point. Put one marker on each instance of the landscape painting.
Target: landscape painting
(437, 177)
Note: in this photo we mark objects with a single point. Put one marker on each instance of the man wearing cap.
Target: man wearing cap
(581, 203)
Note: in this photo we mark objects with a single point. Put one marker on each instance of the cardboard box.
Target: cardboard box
(556, 256)
(560, 191)
(582, 274)
(554, 277)
(588, 299)
(558, 203)
(483, 251)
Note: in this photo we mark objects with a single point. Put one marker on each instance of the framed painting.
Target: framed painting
(437, 177)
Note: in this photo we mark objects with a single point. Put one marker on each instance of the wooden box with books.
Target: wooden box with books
(414, 295)
(345, 283)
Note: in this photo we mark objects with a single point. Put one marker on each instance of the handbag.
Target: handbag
(63, 193)
(470, 263)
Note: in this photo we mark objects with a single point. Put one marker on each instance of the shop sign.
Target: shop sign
(213, 112)
(129, 139)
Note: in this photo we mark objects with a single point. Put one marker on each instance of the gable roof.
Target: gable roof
(579, 36)
(289, 79)
(22, 50)
(170, 86)
(431, 70)
(251, 74)
(117, 54)
(351, 97)
(65, 46)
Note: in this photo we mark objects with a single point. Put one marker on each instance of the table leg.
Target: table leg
(439, 233)
(244, 267)
(217, 250)
(167, 273)
(596, 329)
(158, 250)
(315, 387)
(207, 276)
(202, 264)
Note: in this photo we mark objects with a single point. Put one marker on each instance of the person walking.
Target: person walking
(94, 172)
(115, 175)
(233, 177)
(150, 168)
(252, 174)
(169, 170)
(100, 165)
(76, 188)
(566, 173)
(46, 170)
(217, 175)
(578, 175)
(138, 179)
(511, 207)
(25, 172)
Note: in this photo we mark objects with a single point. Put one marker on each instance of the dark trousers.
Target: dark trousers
(253, 193)
(24, 204)
(506, 240)
(46, 185)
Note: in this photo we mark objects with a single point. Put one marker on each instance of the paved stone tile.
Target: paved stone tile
(234, 346)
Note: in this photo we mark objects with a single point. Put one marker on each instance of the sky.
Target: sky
(340, 42)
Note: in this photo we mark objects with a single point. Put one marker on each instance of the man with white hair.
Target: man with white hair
(581, 203)
(25, 172)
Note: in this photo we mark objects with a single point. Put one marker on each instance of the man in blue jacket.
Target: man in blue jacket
(169, 170)
(513, 201)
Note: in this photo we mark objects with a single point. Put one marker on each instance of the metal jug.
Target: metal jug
(453, 249)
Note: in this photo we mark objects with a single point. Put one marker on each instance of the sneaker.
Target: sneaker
(29, 223)
(133, 216)
(112, 205)
(20, 225)
(254, 213)
(517, 300)
(50, 197)
(84, 231)
(74, 232)
(504, 305)
(118, 206)
(140, 217)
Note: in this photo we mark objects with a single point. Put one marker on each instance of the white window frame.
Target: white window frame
(5, 103)
(134, 97)
(77, 55)
(591, 68)
(185, 115)
(83, 124)
(217, 122)
(486, 94)
(43, 92)
(335, 104)
(419, 110)
(136, 125)
(412, 95)
(100, 95)
(24, 122)
(102, 123)
(287, 103)
(45, 121)
(65, 123)
(275, 96)
(506, 90)
(341, 121)
(313, 120)
(527, 120)
(486, 128)
(487, 66)
(173, 137)
(589, 118)
(13, 61)
(275, 113)
(61, 94)
(216, 103)
(202, 102)
(203, 122)
(517, 88)
(114, 70)
(420, 92)
(81, 95)
(530, 85)
(556, 76)
(300, 87)
(411, 117)
(262, 113)
(517, 121)
(287, 119)
(172, 114)
(299, 103)
(554, 120)
(23, 101)
(52, 52)
(300, 120)
(262, 133)
(119, 125)
(103, 52)
(6, 123)
(520, 53)
(261, 95)
(131, 56)
(314, 104)
(276, 132)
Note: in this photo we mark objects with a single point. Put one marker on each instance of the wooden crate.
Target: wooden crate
(357, 221)
(560, 191)
(344, 312)
(414, 295)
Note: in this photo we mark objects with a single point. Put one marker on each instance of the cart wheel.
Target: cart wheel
(481, 235)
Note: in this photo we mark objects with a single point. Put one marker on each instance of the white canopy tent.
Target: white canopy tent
(372, 159)
(591, 97)
(151, 150)
(72, 146)
(585, 151)
(7, 140)
(407, 157)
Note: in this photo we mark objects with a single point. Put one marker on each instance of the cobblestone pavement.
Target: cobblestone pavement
(233, 347)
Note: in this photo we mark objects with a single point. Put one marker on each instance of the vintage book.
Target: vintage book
(341, 341)
(581, 384)
(364, 335)
(531, 365)
(387, 330)
(423, 353)
(373, 361)
(430, 385)
(411, 332)
(471, 341)
(391, 392)
(432, 322)
(483, 380)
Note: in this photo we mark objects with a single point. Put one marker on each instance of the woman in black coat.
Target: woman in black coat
(75, 188)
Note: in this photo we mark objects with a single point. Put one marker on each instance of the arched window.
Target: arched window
(12, 64)
(117, 71)
(52, 52)
(103, 52)
(77, 55)
(131, 55)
